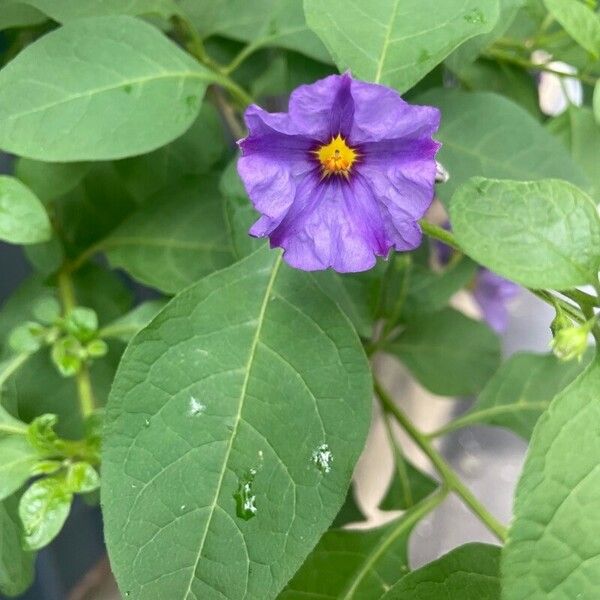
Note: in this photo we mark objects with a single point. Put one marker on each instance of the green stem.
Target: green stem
(439, 233)
(404, 524)
(502, 56)
(406, 262)
(449, 477)
(85, 391)
(83, 380)
(242, 56)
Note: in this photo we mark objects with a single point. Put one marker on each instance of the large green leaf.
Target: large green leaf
(540, 234)
(520, 391)
(581, 22)
(553, 549)
(469, 51)
(250, 385)
(67, 10)
(16, 564)
(485, 134)
(469, 572)
(260, 23)
(449, 353)
(23, 219)
(174, 240)
(350, 564)
(579, 131)
(399, 42)
(103, 100)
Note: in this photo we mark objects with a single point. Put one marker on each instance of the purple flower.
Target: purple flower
(491, 291)
(343, 176)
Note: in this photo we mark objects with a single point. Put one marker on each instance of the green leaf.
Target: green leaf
(50, 180)
(580, 22)
(542, 234)
(357, 564)
(17, 14)
(553, 548)
(27, 338)
(125, 327)
(397, 43)
(18, 459)
(16, 564)
(260, 23)
(470, 572)
(44, 508)
(174, 240)
(202, 406)
(23, 219)
(580, 133)
(8, 423)
(449, 353)
(67, 10)
(430, 291)
(519, 392)
(82, 478)
(105, 100)
(194, 153)
(487, 135)
(469, 51)
(597, 101)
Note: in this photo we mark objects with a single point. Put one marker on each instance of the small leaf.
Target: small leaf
(397, 43)
(580, 22)
(553, 548)
(470, 572)
(520, 391)
(23, 219)
(357, 564)
(27, 338)
(206, 393)
(44, 508)
(542, 234)
(104, 101)
(82, 478)
(81, 322)
(16, 564)
(17, 462)
(125, 327)
(449, 353)
(47, 310)
(174, 240)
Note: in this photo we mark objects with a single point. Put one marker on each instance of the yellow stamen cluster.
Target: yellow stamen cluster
(337, 157)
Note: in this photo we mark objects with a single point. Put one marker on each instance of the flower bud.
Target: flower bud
(572, 342)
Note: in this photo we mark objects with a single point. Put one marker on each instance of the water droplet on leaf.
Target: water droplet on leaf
(146, 422)
(196, 407)
(322, 458)
(245, 498)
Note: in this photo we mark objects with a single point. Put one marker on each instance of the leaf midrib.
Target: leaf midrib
(100, 90)
(238, 417)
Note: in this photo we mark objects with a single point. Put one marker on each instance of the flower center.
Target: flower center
(336, 157)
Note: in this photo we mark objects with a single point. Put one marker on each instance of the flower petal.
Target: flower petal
(381, 114)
